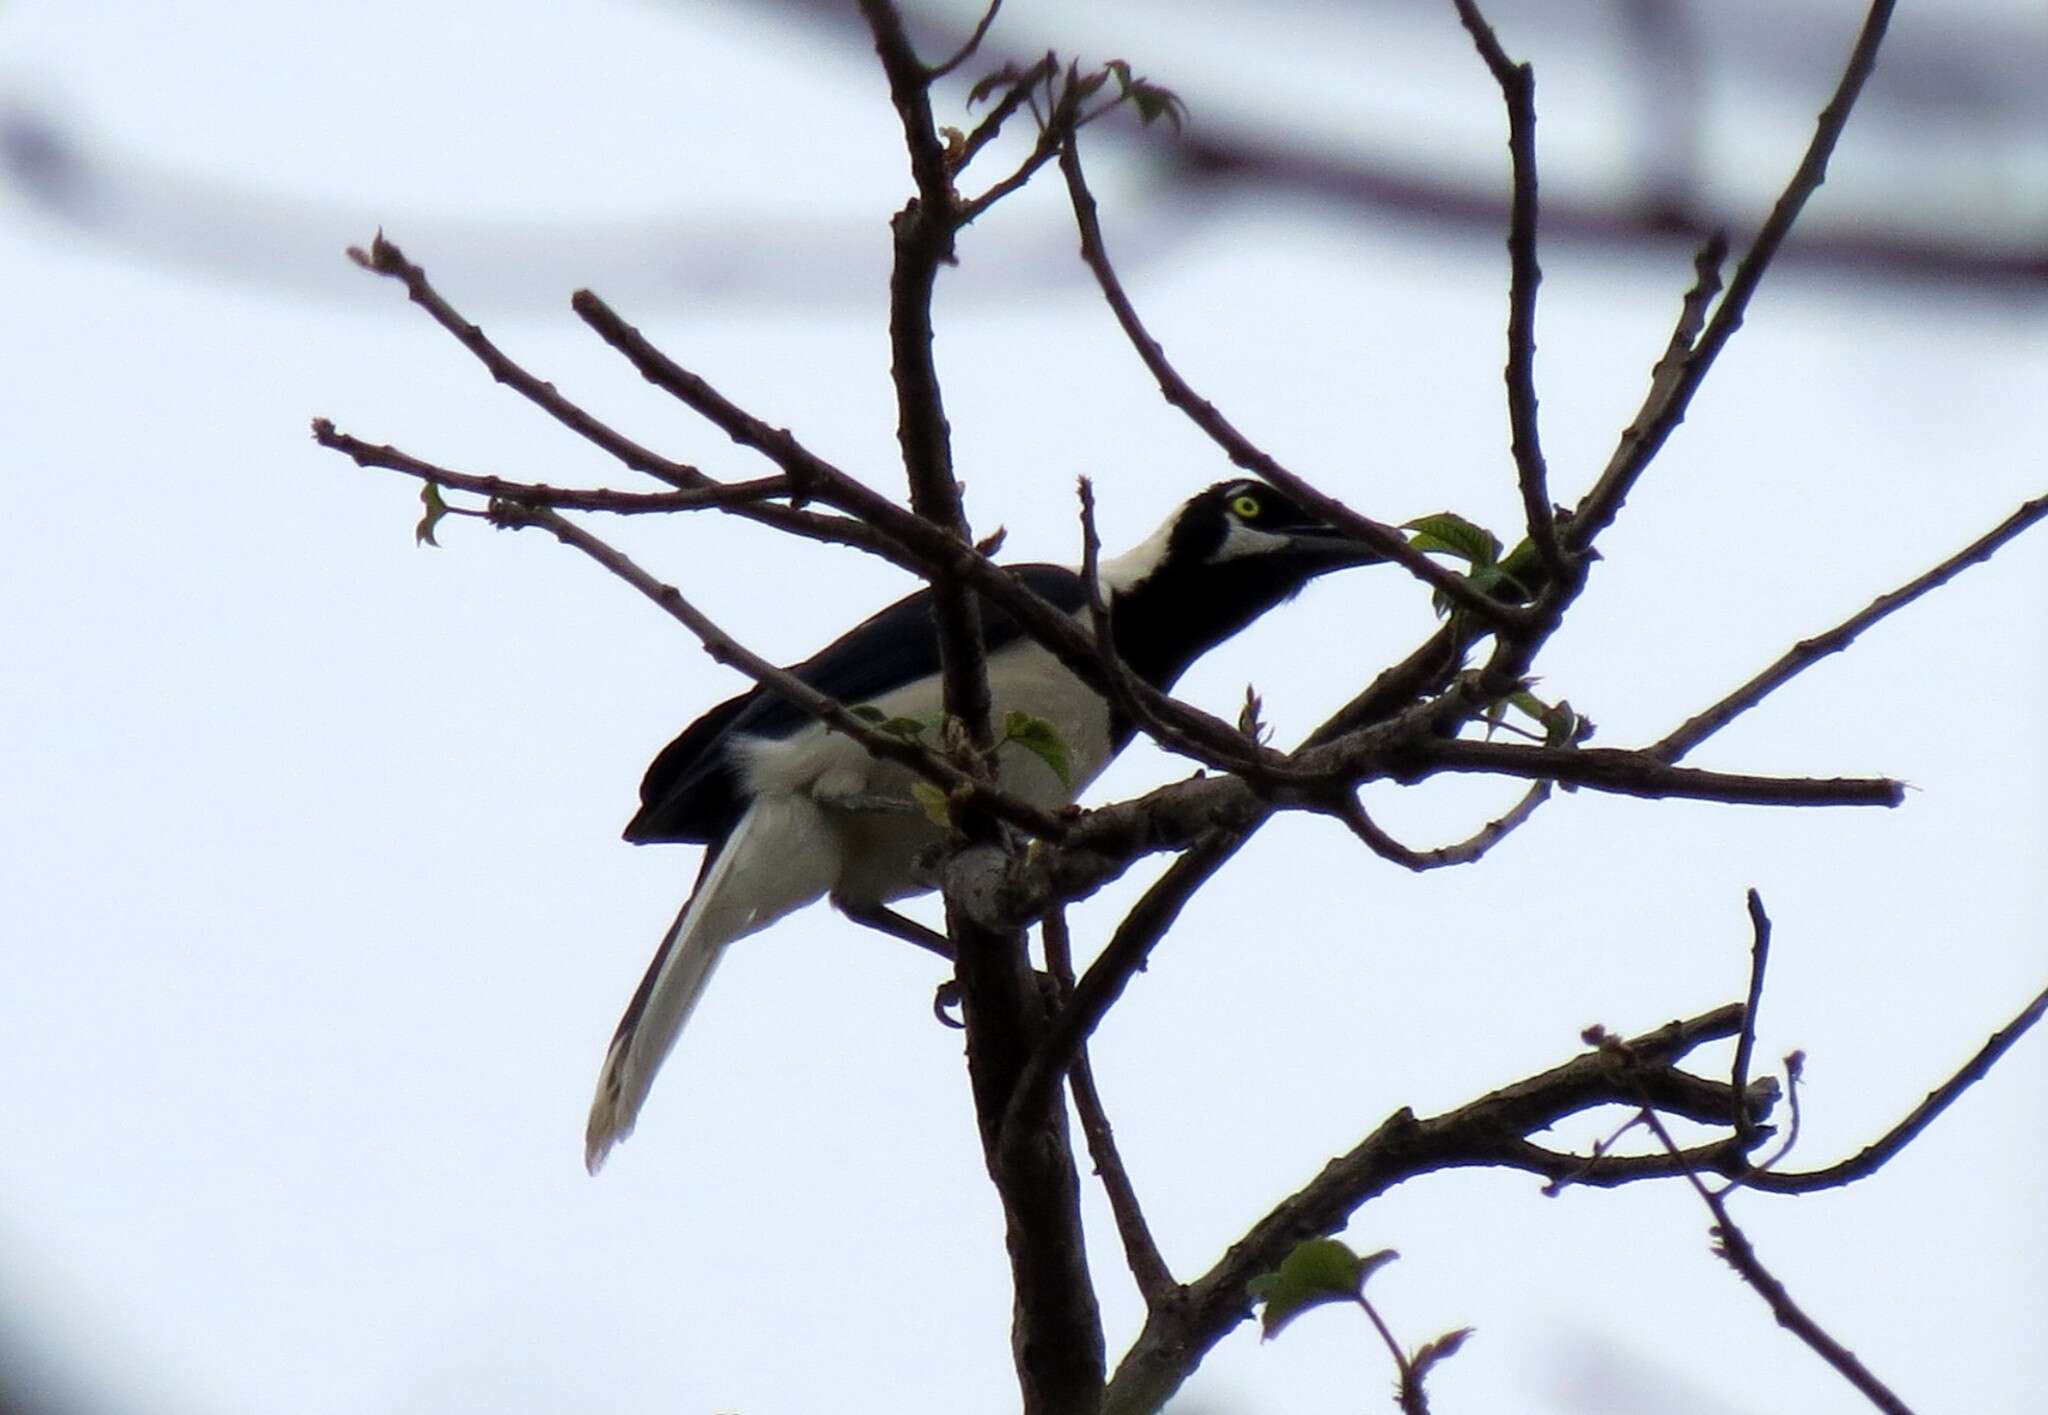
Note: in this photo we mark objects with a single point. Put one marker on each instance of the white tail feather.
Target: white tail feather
(781, 856)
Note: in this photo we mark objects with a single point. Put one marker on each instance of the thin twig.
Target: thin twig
(1120, 960)
(1873, 1157)
(1745, 1044)
(1599, 507)
(1630, 773)
(1807, 652)
(1014, 97)
(1056, 1319)
(1518, 88)
(623, 503)
(1732, 1244)
(384, 258)
(966, 50)
(1408, 1394)
(900, 535)
(1351, 811)
(1489, 1131)
(1239, 448)
(924, 232)
(1149, 1271)
(1427, 669)
(727, 650)
(1664, 377)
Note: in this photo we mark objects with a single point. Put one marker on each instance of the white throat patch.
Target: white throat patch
(1119, 573)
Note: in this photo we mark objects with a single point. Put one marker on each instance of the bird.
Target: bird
(790, 812)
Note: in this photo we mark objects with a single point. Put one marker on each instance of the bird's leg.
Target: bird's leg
(885, 920)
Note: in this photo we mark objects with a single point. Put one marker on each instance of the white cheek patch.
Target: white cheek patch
(1241, 540)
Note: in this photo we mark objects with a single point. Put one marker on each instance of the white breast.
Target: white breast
(878, 845)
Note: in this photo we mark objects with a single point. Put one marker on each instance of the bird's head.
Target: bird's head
(1227, 556)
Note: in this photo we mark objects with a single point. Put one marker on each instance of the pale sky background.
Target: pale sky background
(317, 919)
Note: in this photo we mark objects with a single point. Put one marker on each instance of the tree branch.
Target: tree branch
(1807, 652)
(1239, 448)
(973, 42)
(1643, 441)
(1141, 1251)
(1056, 1323)
(727, 650)
(1490, 1131)
(1351, 811)
(624, 503)
(907, 538)
(1629, 773)
(1733, 1244)
(1518, 88)
(1873, 1157)
(1745, 1044)
(1120, 960)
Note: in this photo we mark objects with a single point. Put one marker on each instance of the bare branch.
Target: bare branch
(1804, 654)
(1734, 1245)
(1627, 463)
(1490, 1131)
(1119, 961)
(924, 238)
(904, 537)
(1240, 449)
(1874, 1156)
(727, 650)
(1427, 669)
(1518, 88)
(1350, 810)
(967, 50)
(1014, 96)
(910, 91)
(624, 503)
(384, 258)
(1745, 1044)
(1056, 1321)
(1641, 444)
(1141, 1251)
(1629, 773)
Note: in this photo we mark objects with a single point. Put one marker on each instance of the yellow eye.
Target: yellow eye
(1245, 508)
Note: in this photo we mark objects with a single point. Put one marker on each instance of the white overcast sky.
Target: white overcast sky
(316, 917)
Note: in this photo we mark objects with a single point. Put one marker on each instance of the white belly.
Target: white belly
(878, 846)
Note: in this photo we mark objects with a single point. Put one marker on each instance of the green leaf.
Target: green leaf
(869, 713)
(1155, 102)
(1495, 580)
(1318, 1272)
(1562, 726)
(1043, 740)
(1152, 101)
(1523, 567)
(932, 801)
(430, 497)
(1448, 533)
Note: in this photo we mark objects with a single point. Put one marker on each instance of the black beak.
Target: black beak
(1324, 548)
